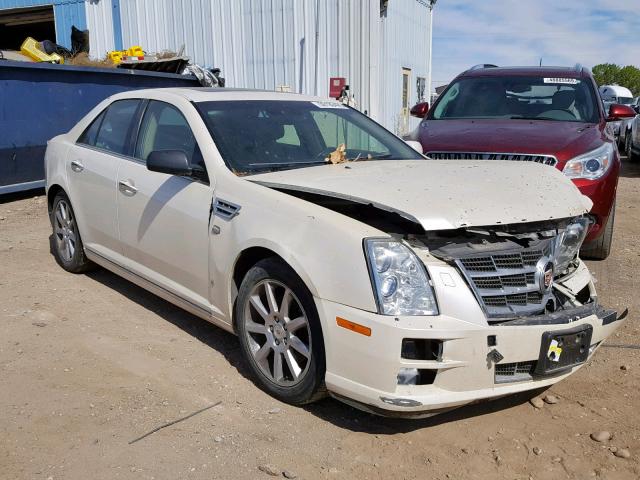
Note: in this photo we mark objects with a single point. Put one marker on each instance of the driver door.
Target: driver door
(164, 219)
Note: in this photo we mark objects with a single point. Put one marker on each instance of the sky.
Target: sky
(520, 32)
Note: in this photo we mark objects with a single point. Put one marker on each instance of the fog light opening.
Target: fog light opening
(421, 349)
(415, 376)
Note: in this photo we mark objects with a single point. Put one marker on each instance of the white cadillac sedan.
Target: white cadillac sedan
(345, 261)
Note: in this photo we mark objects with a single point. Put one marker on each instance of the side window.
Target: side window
(116, 126)
(165, 128)
(89, 136)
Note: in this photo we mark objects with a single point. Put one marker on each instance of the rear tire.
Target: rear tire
(66, 244)
(601, 248)
(280, 333)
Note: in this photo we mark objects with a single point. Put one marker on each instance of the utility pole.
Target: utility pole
(432, 3)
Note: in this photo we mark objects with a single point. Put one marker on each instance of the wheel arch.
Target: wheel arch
(52, 191)
(249, 257)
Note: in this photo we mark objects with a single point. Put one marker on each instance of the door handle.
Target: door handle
(77, 166)
(127, 188)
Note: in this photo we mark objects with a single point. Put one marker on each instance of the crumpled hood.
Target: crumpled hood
(443, 195)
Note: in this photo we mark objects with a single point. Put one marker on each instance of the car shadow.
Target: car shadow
(15, 196)
(203, 331)
(630, 169)
(330, 410)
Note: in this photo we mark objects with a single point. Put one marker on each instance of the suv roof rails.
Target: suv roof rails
(578, 67)
(482, 65)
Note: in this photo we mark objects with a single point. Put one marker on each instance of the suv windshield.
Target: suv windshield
(264, 135)
(518, 97)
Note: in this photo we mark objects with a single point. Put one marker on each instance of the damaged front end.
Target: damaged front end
(518, 271)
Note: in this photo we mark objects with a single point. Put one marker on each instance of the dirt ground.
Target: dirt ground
(90, 362)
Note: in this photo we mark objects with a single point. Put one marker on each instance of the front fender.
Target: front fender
(323, 247)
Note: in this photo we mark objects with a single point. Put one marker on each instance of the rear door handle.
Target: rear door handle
(127, 188)
(77, 166)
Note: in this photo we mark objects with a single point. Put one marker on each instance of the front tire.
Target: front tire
(601, 248)
(280, 333)
(66, 244)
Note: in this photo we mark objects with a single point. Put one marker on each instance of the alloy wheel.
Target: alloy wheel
(278, 333)
(64, 229)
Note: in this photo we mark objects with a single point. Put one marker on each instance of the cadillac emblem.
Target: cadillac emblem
(544, 274)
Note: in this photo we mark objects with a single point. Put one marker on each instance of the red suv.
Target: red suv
(549, 115)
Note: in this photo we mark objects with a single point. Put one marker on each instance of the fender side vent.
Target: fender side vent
(225, 210)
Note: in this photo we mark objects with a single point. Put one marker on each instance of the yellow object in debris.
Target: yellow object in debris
(31, 48)
(135, 51)
(116, 56)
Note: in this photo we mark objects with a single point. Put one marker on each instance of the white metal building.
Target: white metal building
(381, 47)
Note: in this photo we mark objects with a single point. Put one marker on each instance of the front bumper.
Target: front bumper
(363, 370)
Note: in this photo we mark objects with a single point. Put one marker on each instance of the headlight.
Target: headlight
(569, 243)
(591, 165)
(400, 280)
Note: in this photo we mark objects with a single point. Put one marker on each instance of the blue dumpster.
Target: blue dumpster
(39, 101)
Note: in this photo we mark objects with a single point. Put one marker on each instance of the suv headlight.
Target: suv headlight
(591, 165)
(570, 241)
(400, 280)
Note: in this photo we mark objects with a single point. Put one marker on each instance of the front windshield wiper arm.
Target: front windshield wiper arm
(523, 117)
(274, 166)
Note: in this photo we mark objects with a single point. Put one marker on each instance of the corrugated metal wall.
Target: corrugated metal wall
(272, 43)
(100, 25)
(66, 12)
(405, 33)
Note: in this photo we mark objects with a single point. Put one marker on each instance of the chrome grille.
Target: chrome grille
(514, 372)
(516, 157)
(505, 282)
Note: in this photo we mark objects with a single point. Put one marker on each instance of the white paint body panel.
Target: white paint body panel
(165, 244)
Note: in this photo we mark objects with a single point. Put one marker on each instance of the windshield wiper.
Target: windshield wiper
(272, 167)
(523, 117)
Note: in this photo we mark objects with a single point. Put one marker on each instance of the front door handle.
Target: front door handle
(127, 188)
(77, 166)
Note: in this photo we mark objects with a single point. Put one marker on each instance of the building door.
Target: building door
(406, 94)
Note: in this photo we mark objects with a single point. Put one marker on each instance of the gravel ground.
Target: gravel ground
(90, 362)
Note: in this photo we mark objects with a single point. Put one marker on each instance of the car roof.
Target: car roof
(203, 94)
(562, 72)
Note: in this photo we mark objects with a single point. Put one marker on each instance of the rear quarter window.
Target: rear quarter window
(111, 129)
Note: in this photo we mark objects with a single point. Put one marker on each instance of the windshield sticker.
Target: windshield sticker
(563, 81)
(328, 104)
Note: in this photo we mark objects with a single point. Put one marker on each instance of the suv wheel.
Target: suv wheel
(66, 244)
(601, 248)
(280, 334)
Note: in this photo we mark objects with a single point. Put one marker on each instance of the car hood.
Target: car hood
(564, 140)
(441, 195)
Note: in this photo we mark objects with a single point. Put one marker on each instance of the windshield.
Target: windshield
(518, 97)
(264, 135)
(625, 100)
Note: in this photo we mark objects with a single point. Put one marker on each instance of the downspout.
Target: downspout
(117, 24)
(317, 48)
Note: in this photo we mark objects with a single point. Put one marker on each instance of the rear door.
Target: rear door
(164, 219)
(92, 166)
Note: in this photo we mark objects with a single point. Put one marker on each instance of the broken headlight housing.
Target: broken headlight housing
(591, 165)
(400, 280)
(569, 242)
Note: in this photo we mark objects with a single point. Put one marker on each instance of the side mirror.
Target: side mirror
(417, 146)
(173, 162)
(420, 110)
(618, 112)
